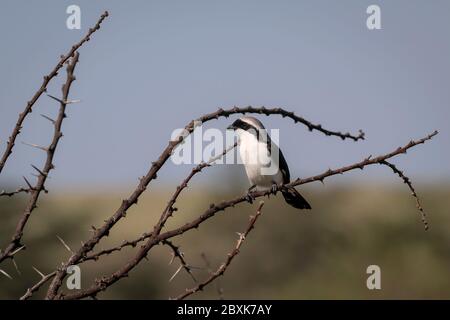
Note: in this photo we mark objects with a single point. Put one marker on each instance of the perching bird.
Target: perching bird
(255, 150)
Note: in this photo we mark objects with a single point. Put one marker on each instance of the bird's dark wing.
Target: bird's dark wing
(284, 168)
(282, 164)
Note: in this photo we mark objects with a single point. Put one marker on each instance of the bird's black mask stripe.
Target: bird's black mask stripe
(239, 124)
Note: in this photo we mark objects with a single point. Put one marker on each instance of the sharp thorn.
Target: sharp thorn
(15, 266)
(55, 98)
(5, 274)
(38, 170)
(176, 272)
(35, 146)
(64, 244)
(17, 250)
(40, 273)
(28, 183)
(48, 118)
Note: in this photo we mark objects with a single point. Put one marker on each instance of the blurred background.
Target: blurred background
(156, 65)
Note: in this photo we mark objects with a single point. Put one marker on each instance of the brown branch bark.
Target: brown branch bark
(106, 281)
(13, 193)
(35, 192)
(152, 174)
(408, 182)
(28, 109)
(37, 286)
(223, 267)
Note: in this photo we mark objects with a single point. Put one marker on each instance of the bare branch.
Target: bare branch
(155, 238)
(408, 182)
(37, 286)
(4, 193)
(96, 256)
(223, 267)
(43, 88)
(48, 166)
(177, 253)
(213, 209)
(152, 174)
(197, 169)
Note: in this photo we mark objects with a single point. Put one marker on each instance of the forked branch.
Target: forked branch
(42, 175)
(121, 212)
(224, 266)
(155, 238)
(28, 109)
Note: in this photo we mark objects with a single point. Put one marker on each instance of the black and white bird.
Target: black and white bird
(264, 162)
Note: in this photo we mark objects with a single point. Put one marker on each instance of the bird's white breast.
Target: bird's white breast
(262, 169)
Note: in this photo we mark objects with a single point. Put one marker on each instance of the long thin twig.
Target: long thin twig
(154, 239)
(169, 208)
(125, 243)
(408, 182)
(4, 193)
(214, 208)
(28, 109)
(37, 286)
(48, 166)
(152, 174)
(223, 267)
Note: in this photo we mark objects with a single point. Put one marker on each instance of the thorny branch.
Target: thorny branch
(4, 193)
(35, 191)
(170, 207)
(152, 174)
(37, 286)
(43, 88)
(106, 281)
(223, 267)
(133, 243)
(408, 182)
(156, 236)
(180, 255)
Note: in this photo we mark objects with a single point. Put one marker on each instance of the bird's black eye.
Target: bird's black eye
(238, 124)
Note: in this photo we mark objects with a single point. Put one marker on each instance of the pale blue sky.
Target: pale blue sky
(155, 65)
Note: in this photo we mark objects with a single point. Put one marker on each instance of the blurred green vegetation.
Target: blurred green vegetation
(321, 254)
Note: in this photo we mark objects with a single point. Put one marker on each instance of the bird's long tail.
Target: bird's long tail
(294, 198)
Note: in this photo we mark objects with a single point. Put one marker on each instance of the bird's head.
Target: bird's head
(246, 123)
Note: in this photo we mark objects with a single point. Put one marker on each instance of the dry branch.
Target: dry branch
(36, 190)
(43, 88)
(180, 255)
(223, 267)
(4, 193)
(106, 281)
(37, 286)
(152, 174)
(408, 182)
(156, 236)
(197, 169)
